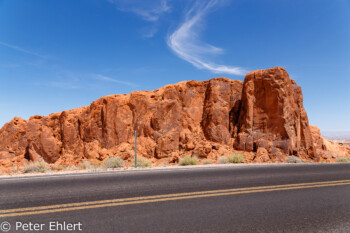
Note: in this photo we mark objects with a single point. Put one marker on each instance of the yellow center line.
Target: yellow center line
(163, 196)
(173, 197)
(168, 199)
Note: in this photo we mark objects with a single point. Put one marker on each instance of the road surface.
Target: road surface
(245, 198)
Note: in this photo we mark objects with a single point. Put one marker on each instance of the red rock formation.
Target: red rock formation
(206, 119)
(186, 118)
(328, 151)
(272, 115)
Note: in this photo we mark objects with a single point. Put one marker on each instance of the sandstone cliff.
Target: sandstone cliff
(272, 115)
(264, 116)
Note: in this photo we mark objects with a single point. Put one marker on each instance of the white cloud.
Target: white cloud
(147, 10)
(186, 44)
(17, 48)
(108, 79)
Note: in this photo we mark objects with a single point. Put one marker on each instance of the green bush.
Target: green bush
(235, 158)
(188, 160)
(222, 160)
(142, 162)
(294, 159)
(113, 162)
(35, 167)
(343, 160)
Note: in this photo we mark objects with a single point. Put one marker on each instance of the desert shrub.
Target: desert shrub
(57, 167)
(222, 160)
(96, 163)
(294, 159)
(15, 170)
(235, 158)
(35, 167)
(113, 162)
(85, 164)
(207, 161)
(343, 160)
(142, 162)
(188, 160)
(72, 168)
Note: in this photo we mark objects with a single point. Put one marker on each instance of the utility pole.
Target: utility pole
(135, 149)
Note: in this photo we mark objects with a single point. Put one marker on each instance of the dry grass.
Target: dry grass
(35, 167)
(235, 158)
(85, 164)
(72, 168)
(222, 160)
(113, 162)
(142, 162)
(294, 159)
(57, 167)
(188, 160)
(343, 160)
(207, 161)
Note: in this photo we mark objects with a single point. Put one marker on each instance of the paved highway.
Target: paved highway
(243, 198)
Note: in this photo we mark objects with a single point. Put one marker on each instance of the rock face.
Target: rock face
(208, 119)
(186, 118)
(327, 149)
(272, 115)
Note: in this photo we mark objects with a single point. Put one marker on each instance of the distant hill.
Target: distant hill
(336, 135)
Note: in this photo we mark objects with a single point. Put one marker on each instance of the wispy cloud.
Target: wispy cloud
(108, 79)
(17, 48)
(150, 11)
(147, 10)
(185, 42)
(58, 84)
(149, 32)
(63, 85)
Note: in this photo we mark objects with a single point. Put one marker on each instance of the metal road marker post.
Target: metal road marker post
(135, 149)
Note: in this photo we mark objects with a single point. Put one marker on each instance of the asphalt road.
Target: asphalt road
(266, 198)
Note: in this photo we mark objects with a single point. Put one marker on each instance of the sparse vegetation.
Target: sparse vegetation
(142, 162)
(235, 158)
(96, 163)
(207, 161)
(188, 160)
(15, 170)
(113, 162)
(343, 160)
(57, 167)
(222, 160)
(294, 159)
(72, 168)
(35, 167)
(85, 164)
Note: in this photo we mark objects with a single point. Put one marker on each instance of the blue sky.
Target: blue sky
(62, 54)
